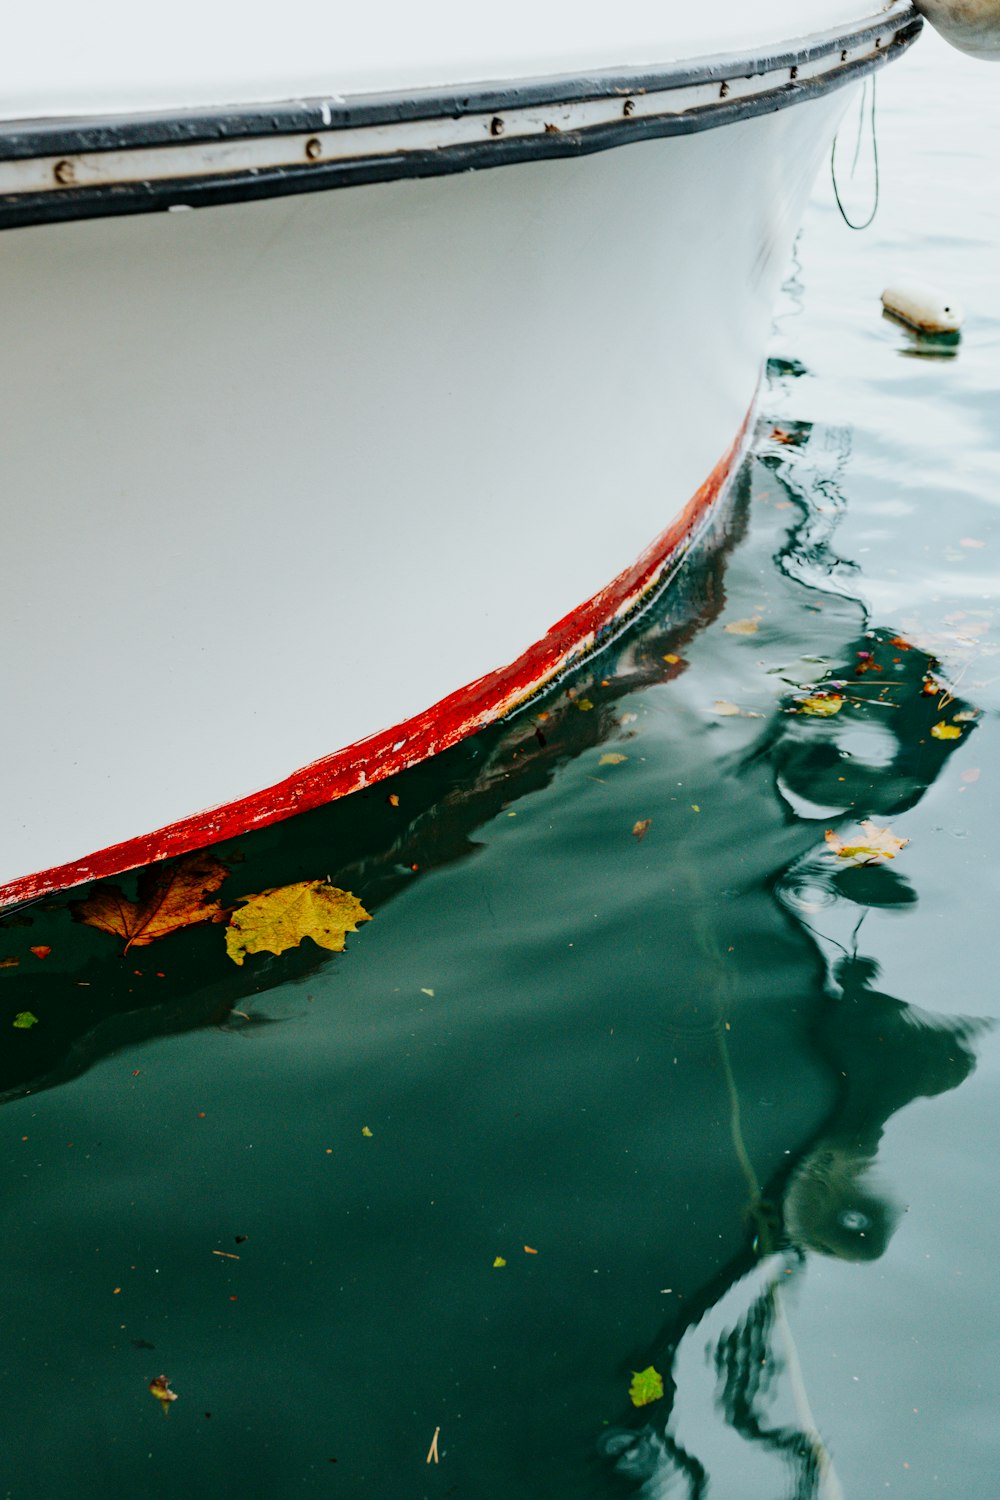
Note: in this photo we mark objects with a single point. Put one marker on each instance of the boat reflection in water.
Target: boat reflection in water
(768, 1063)
(732, 1358)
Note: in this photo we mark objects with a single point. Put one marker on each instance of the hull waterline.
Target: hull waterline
(297, 488)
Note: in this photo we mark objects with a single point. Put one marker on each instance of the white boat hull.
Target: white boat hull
(309, 480)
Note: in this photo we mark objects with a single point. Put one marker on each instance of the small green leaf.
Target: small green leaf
(24, 1020)
(499, 1262)
(647, 1386)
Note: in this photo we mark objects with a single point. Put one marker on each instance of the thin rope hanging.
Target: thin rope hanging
(857, 150)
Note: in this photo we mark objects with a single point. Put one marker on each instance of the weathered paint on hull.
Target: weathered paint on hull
(453, 719)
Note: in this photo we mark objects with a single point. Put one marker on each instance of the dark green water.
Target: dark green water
(738, 1095)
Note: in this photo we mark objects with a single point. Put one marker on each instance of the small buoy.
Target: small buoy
(925, 308)
(973, 26)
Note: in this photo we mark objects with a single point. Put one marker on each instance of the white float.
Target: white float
(972, 26)
(925, 308)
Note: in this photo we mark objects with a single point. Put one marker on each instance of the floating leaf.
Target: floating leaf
(971, 775)
(641, 828)
(365, 1131)
(584, 704)
(742, 627)
(528, 1250)
(726, 709)
(878, 843)
(647, 1386)
(499, 1262)
(278, 919)
(42, 950)
(160, 1388)
(168, 898)
(9, 963)
(612, 759)
(943, 731)
(24, 1020)
(671, 658)
(821, 705)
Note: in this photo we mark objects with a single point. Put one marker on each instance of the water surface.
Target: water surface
(722, 1103)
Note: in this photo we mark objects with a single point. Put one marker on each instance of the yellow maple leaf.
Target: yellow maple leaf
(168, 897)
(943, 731)
(278, 919)
(878, 843)
(821, 705)
(160, 1388)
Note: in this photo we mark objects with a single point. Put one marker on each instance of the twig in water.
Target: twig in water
(432, 1456)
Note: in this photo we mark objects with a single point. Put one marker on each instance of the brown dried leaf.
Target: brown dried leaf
(641, 828)
(168, 898)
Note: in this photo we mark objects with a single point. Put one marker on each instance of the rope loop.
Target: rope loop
(857, 151)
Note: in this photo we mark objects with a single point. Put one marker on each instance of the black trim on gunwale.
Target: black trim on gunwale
(24, 140)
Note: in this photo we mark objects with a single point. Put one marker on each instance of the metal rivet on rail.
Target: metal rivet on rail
(496, 125)
(628, 108)
(64, 173)
(314, 148)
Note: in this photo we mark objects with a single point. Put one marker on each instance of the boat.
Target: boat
(362, 376)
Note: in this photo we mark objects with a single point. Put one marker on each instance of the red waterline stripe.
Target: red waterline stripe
(452, 719)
